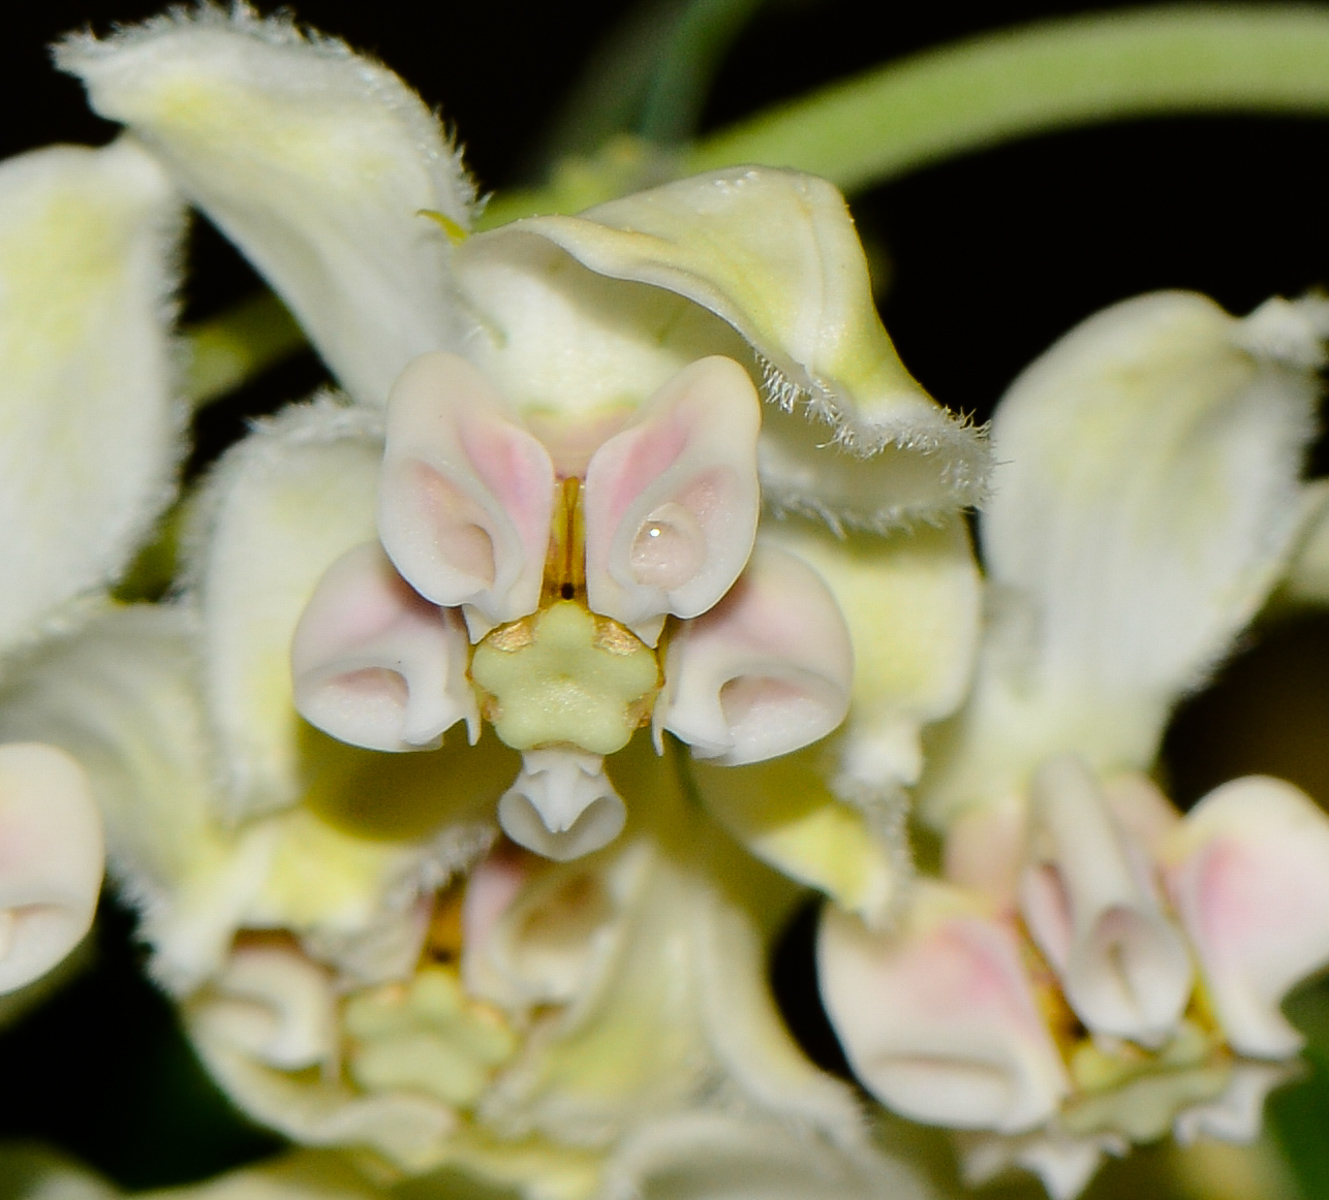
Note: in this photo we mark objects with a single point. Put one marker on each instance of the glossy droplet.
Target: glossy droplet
(669, 549)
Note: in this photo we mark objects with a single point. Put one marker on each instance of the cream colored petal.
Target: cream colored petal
(671, 502)
(1064, 1163)
(562, 805)
(765, 672)
(282, 507)
(1146, 503)
(727, 1156)
(774, 255)
(315, 161)
(785, 812)
(939, 1019)
(1248, 871)
(375, 664)
(51, 859)
(911, 601)
(89, 426)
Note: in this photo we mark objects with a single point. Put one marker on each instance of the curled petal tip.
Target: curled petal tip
(1089, 902)
(562, 805)
(466, 493)
(671, 502)
(374, 664)
(51, 860)
(767, 671)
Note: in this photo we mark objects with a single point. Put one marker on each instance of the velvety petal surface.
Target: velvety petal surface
(316, 161)
(88, 421)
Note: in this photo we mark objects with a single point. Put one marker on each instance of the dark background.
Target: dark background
(990, 257)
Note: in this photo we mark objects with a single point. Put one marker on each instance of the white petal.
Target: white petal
(283, 506)
(375, 664)
(316, 162)
(273, 1003)
(939, 1020)
(1238, 1114)
(1249, 874)
(90, 427)
(765, 672)
(562, 805)
(722, 1156)
(671, 503)
(1064, 1163)
(50, 860)
(1092, 908)
(466, 494)
(774, 255)
(1147, 499)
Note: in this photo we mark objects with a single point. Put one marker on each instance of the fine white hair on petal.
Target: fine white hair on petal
(317, 162)
(279, 509)
(89, 424)
(51, 859)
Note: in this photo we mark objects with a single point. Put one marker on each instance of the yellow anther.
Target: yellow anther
(456, 234)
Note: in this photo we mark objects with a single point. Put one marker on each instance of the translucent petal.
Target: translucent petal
(375, 664)
(1249, 875)
(466, 494)
(51, 859)
(317, 162)
(774, 255)
(1146, 503)
(88, 420)
(785, 813)
(671, 502)
(765, 672)
(939, 1020)
(282, 507)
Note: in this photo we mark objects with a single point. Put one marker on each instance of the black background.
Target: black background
(991, 257)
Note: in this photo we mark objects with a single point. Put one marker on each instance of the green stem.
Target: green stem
(228, 350)
(1051, 75)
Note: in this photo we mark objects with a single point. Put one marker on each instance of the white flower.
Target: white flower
(88, 444)
(1094, 962)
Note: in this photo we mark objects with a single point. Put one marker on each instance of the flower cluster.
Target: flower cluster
(513, 695)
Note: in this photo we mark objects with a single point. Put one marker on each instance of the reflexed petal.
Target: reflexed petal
(672, 501)
(50, 859)
(1065, 1163)
(765, 672)
(911, 601)
(1146, 503)
(466, 494)
(87, 415)
(375, 664)
(1249, 873)
(714, 1156)
(283, 506)
(316, 162)
(784, 812)
(939, 1020)
(1089, 900)
(774, 255)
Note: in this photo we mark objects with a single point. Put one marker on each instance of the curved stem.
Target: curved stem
(1051, 75)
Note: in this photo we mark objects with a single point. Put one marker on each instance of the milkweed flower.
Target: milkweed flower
(1093, 968)
(89, 439)
(527, 572)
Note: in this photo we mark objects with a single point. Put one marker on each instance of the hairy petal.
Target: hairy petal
(1249, 874)
(317, 162)
(283, 505)
(1147, 502)
(88, 421)
(772, 254)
